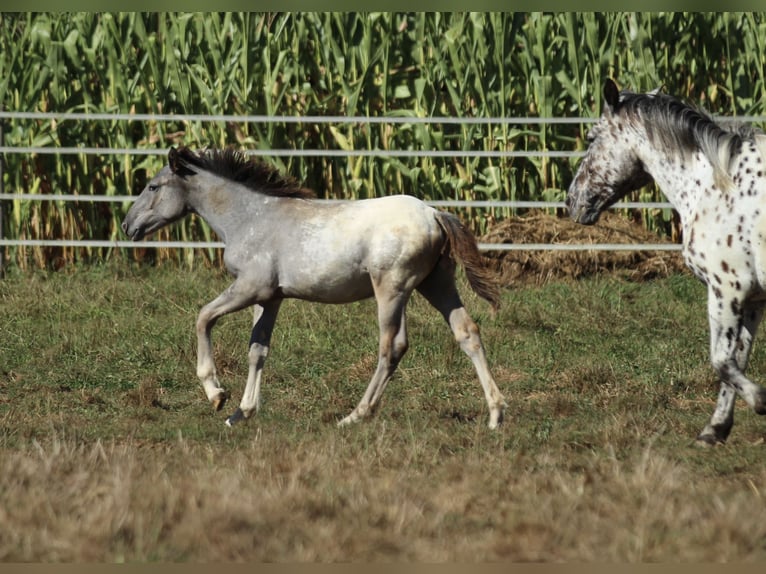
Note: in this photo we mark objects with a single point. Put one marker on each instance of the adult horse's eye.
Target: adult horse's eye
(153, 187)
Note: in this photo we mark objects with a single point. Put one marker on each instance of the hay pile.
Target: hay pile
(536, 267)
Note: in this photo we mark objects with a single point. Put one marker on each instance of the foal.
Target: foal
(281, 243)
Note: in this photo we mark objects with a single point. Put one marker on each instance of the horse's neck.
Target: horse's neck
(682, 179)
(225, 206)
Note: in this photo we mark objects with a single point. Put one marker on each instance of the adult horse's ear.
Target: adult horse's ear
(611, 93)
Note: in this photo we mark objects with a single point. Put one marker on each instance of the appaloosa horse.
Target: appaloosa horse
(714, 177)
(281, 243)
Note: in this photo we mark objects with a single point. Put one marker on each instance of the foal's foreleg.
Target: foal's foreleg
(229, 301)
(731, 338)
(393, 345)
(264, 317)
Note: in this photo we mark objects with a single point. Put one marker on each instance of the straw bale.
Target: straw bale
(539, 266)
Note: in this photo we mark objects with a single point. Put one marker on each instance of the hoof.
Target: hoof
(358, 414)
(495, 418)
(219, 400)
(760, 402)
(715, 434)
(237, 416)
(347, 421)
(707, 439)
(351, 419)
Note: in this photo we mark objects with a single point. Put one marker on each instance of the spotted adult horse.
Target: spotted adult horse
(714, 177)
(281, 243)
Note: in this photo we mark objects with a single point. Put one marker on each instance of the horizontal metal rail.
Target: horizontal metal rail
(120, 244)
(435, 203)
(482, 204)
(262, 119)
(299, 152)
(488, 203)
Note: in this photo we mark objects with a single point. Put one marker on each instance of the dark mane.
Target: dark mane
(676, 125)
(253, 174)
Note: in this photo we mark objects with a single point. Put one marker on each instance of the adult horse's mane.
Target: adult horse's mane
(253, 174)
(678, 126)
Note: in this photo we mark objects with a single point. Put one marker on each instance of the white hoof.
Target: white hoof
(351, 419)
(495, 418)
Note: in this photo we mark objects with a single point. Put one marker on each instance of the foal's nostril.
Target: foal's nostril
(124, 227)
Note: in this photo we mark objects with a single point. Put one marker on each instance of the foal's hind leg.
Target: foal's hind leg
(393, 345)
(440, 290)
(718, 428)
(264, 317)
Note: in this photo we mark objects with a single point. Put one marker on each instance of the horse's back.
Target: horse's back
(391, 231)
(337, 251)
(401, 217)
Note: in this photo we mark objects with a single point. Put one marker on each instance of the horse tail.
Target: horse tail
(462, 247)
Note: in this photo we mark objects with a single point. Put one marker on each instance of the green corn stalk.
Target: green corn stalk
(314, 63)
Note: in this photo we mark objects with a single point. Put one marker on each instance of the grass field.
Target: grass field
(110, 452)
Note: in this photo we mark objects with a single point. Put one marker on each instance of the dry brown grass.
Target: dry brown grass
(109, 452)
(128, 501)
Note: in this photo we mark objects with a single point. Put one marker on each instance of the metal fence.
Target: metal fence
(8, 115)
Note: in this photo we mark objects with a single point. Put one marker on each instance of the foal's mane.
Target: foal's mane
(680, 127)
(253, 174)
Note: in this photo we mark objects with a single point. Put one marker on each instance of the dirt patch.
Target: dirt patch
(539, 266)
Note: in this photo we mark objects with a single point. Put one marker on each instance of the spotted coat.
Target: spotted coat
(714, 178)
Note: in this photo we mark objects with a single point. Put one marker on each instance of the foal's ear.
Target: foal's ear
(173, 160)
(177, 165)
(611, 93)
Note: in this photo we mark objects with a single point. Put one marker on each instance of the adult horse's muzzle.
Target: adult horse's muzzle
(581, 212)
(587, 216)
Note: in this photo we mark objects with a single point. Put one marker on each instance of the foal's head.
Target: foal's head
(610, 168)
(162, 201)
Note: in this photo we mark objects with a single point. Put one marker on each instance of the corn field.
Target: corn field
(424, 65)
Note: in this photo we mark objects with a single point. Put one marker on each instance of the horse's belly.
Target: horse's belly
(328, 288)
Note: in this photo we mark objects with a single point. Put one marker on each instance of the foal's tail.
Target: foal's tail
(461, 246)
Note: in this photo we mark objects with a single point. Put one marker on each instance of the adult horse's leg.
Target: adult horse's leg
(264, 317)
(718, 428)
(392, 347)
(440, 290)
(233, 299)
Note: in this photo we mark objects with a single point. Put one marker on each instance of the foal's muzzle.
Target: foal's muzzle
(135, 234)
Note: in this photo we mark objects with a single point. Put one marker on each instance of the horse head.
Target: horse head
(610, 169)
(163, 200)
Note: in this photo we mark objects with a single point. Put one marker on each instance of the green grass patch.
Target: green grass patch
(109, 450)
